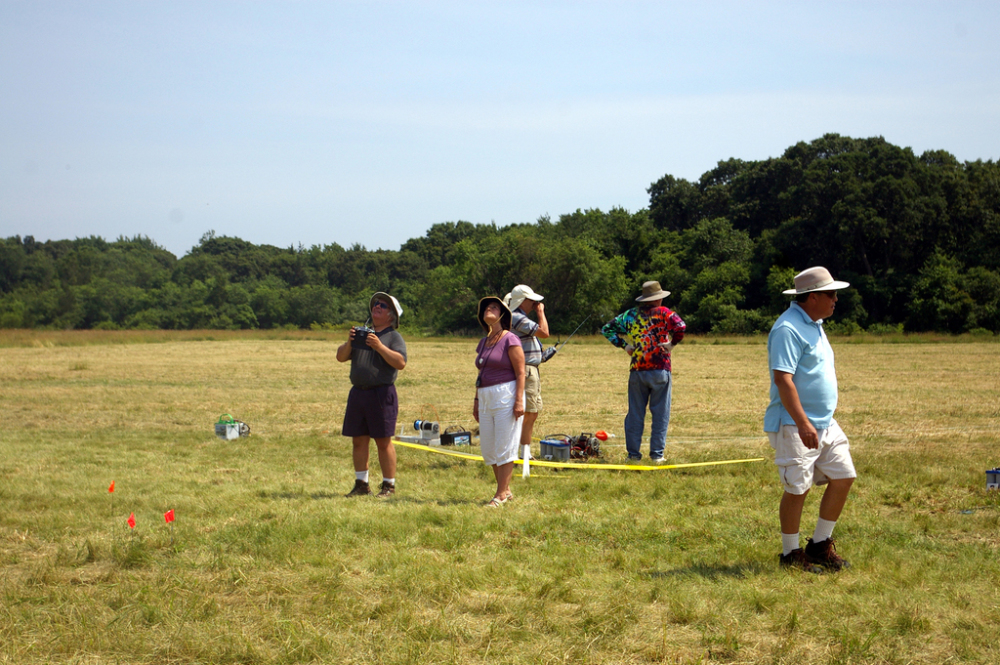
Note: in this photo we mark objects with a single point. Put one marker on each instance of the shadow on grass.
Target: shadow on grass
(739, 570)
(320, 496)
(299, 495)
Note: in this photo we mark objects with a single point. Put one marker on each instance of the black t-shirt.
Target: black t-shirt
(369, 368)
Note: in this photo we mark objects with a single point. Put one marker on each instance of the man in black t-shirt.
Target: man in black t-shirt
(372, 405)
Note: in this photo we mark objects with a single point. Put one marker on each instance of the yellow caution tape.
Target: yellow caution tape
(438, 450)
(575, 465)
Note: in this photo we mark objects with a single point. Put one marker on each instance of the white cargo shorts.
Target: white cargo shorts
(800, 468)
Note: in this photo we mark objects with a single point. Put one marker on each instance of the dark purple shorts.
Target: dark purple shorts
(371, 412)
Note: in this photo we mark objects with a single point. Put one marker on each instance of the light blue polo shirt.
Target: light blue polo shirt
(798, 345)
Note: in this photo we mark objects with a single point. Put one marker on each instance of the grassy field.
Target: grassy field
(268, 563)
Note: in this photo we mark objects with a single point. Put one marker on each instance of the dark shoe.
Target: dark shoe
(388, 489)
(825, 554)
(797, 559)
(361, 488)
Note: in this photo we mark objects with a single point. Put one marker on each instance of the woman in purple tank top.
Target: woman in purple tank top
(499, 403)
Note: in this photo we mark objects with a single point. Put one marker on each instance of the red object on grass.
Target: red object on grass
(111, 488)
(169, 515)
(601, 434)
(131, 520)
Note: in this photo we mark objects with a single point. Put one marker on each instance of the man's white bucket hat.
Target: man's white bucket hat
(815, 279)
(380, 295)
(519, 294)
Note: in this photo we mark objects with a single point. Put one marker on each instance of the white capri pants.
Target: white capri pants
(499, 430)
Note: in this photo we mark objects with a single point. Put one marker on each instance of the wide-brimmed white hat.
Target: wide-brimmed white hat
(505, 315)
(815, 279)
(381, 295)
(652, 291)
(519, 294)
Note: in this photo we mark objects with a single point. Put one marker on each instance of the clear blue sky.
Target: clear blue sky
(367, 122)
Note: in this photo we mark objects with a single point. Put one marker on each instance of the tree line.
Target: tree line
(918, 237)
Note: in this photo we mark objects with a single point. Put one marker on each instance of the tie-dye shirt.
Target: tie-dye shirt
(646, 329)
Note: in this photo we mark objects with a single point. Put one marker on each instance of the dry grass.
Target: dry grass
(270, 564)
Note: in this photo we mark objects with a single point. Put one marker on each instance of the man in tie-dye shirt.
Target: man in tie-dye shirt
(648, 333)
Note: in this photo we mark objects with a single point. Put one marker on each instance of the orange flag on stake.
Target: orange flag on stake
(169, 517)
(111, 488)
(131, 520)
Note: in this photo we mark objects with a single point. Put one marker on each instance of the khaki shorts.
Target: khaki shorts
(800, 468)
(532, 389)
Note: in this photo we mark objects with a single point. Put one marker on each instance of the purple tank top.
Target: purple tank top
(494, 361)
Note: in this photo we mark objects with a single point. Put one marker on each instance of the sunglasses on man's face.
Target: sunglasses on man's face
(379, 303)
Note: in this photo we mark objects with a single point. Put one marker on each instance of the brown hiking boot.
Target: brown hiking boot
(797, 559)
(387, 490)
(361, 488)
(825, 554)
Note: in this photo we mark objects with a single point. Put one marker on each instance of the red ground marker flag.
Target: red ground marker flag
(131, 520)
(169, 517)
(111, 488)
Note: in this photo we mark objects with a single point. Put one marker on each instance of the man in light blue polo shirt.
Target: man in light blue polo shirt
(809, 446)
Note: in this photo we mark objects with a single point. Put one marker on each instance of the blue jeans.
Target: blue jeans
(650, 387)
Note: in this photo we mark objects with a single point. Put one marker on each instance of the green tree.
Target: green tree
(674, 203)
(940, 301)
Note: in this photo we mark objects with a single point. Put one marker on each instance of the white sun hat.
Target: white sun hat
(385, 296)
(815, 279)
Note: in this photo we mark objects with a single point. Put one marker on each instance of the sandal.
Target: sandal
(495, 502)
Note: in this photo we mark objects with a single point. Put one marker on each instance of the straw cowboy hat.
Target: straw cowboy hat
(815, 279)
(652, 291)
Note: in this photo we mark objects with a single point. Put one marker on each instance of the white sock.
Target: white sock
(789, 542)
(391, 481)
(824, 529)
(361, 475)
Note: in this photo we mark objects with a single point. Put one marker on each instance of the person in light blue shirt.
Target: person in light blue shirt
(798, 346)
(810, 448)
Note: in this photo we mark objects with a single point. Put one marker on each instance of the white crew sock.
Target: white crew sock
(361, 475)
(789, 542)
(824, 529)
(391, 481)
